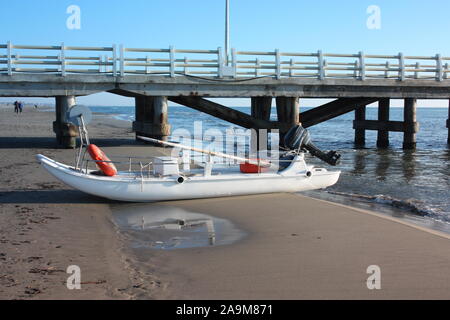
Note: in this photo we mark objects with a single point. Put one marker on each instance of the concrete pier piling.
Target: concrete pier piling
(409, 126)
(360, 133)
(151, 117)
(288, 112)
(260, 109)
(66, 132)
(383, 117)
(409, 118)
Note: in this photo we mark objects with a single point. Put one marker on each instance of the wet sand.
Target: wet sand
(303, 248)
(295, 248)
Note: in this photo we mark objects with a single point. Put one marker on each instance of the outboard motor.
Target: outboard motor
(298, 138)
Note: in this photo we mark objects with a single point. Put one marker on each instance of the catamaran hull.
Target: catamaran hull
(137, 189)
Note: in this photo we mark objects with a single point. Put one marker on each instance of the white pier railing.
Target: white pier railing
(122, 61)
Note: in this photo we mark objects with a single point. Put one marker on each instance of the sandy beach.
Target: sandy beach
(295, 247)
(46, 226)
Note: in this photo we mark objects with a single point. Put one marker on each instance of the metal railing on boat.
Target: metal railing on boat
(143, 165)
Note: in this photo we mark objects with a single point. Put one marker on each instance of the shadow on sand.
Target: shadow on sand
(50, 142)
(51, 196)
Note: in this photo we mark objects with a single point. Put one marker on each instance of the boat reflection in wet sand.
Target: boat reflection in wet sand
(167, 227)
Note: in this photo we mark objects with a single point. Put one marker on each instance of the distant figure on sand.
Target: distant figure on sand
(16, 106)
(20, 107)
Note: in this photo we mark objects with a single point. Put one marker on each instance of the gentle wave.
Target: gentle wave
(411, 205)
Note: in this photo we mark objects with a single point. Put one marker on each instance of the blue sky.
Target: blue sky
(410, 26)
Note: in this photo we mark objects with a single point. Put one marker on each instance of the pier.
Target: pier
(153, 77)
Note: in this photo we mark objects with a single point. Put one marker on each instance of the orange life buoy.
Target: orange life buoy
(108, 168)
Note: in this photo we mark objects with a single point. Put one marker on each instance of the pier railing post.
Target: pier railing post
(122, 61)
(147, 62)
(416, 73)
(9, 47)
(383, 117)
(356, 69)
(63, 60)
(320, 68)
(409, 118)
(234, 61)
(185, 70)
(114, 57)
(220, 62)
(257, 65)
(100, 63)
(172, 61)
(386, 72)
(401, 67)
(439, 71)
(278, 63)
(362, 66)
(291, 65)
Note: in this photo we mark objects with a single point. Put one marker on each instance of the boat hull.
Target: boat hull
(142, 189)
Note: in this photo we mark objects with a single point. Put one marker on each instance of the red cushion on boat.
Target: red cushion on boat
(246, 167)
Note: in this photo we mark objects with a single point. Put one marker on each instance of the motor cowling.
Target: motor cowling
(298, 138)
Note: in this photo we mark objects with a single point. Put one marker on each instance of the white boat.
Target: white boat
(161, 178)
(143, 186)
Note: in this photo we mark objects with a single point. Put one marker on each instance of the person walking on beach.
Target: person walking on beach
(20, 106)
(16, 106)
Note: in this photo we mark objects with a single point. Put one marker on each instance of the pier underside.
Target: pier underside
(152, 94)
(48, 85)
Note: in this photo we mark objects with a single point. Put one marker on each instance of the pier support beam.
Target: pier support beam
(66, 132)
(151, 117)
(260, 109)
(332, 110)
(360, 134)
(225, 113)
(383, 115)
(409, 118)
(288, 112)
